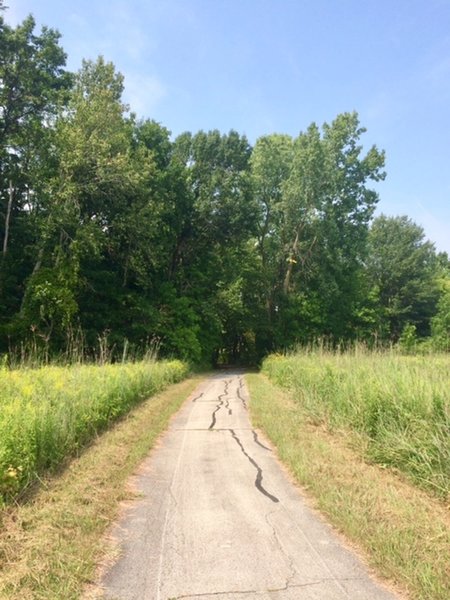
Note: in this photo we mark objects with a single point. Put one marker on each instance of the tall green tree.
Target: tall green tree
(33, 86)
(94, 179)
(440, 323)
(401, 267)
(315, 207)
(271, 165)
(222, 219)
(347, 208)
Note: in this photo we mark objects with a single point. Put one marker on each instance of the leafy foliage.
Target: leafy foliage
(212, 249)
(402, 270)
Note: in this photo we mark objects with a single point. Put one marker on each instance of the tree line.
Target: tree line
(203, 245)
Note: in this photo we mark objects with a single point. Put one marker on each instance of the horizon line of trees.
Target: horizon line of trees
(203, 245)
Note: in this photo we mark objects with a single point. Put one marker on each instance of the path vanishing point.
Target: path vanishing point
(217, 518)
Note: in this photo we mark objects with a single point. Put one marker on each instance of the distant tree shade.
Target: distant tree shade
(207, 247)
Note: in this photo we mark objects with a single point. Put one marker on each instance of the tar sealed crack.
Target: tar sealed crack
(259, 474)
(219, 406)
(197, 397)
(255, 437)
(241, 398)
(213, 417)
(239, 393)
(227, 401)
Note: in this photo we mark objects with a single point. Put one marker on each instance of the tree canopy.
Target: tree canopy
(203, 245)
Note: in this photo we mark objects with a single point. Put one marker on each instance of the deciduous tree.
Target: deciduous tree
(401, 266)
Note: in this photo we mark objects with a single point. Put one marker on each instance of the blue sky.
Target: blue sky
(264, 66)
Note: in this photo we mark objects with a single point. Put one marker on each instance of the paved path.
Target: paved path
(219, 519)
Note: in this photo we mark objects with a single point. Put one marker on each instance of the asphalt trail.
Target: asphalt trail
(217, 518)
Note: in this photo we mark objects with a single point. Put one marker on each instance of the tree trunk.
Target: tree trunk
(36, 268)
(126, 266)
(292, 261)
(8, 218)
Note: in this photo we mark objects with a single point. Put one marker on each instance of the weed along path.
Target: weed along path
(217, 518)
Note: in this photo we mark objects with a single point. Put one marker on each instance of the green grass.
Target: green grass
(49, 414)
(402, 531)
(399, 406)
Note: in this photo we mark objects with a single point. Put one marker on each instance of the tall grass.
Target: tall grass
(49, 413)
(398, 405)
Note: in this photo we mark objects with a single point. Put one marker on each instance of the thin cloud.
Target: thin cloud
(16, 13)
(123, 32)
(143, 93)
(435, 229)
(380, 106)
(438, 77)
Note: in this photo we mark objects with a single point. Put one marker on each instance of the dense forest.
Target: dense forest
(113, 232)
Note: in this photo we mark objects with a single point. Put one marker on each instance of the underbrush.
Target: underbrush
(399, 406)
(50, 413)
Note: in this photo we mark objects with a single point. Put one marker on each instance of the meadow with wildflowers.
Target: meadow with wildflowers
(50, 413)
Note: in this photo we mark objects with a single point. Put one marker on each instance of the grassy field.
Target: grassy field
(402, 531)
(49, 414)
(398, 407)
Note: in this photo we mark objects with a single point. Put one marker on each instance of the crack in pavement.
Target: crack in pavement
(227, 401)
(215, 429)
(259, 592)
(213, 417)
(289, 559)
(259, 473)
(198, 397)
(166, 522)
(241, 398)
(320, 559)
(219, 406)
(255, 437)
